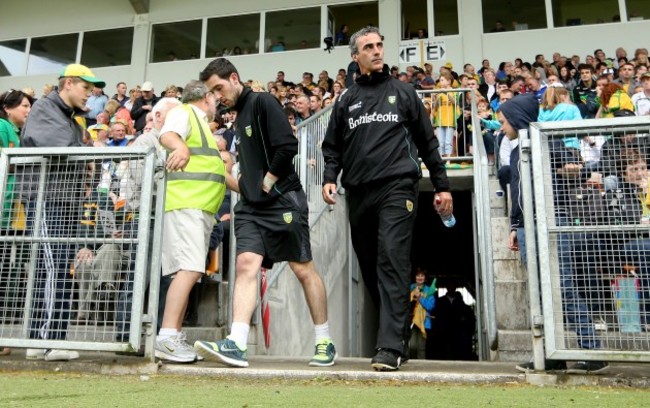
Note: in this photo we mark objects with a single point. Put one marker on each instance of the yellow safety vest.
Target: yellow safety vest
(202, 185)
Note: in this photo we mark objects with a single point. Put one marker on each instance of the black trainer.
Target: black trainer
(588, 367)
(549, 365)
(386, 360)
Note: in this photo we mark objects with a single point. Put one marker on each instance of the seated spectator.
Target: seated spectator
(584, 94)
(171, 92)
(342, 36)
(612, 98)
(97, 266)
(291, 116)
(423, 81)
(498, 27)
(116, 112)
(257, 86)
(489, 86)
(641, 100)
(134, 93)
(337, 88)
(485, 113)
(567, 79)
(118, 134)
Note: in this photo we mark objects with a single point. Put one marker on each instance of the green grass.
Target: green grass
(39, 389)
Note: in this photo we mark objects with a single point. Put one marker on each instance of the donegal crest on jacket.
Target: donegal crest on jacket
(392, 99)
(288, 217)
(249, 131)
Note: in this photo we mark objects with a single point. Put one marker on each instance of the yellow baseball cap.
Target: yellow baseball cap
(83, 72)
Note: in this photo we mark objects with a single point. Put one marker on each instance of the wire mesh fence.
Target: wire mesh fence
(450, 112)
(74, 244)
(310, 163)
(592, 209)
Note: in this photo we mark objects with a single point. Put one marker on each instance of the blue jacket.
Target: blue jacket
(428, 302)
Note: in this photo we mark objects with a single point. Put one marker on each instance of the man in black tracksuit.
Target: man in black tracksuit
(271, 219)
(377, 130)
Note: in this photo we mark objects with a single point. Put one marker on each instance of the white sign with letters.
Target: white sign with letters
(420, 51)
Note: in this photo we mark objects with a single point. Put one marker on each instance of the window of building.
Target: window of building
(506, 15)
(445, 17)
(354, 16)
(638, 10)
(12, 57)
(233, 35)
(414, 19)
(581, 12)
(293, 29)
(107, 48)
(52, 54)
(176, 41)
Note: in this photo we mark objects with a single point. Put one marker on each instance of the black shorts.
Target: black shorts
(278, 231)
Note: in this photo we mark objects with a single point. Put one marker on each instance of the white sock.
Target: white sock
(239, 334)
(164, 334)
(322, 331)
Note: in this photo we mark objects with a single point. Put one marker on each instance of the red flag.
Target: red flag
(266, 312)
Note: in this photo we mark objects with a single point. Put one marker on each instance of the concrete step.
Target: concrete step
(514, 345)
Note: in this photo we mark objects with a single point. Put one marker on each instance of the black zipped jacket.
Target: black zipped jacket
(377, 130)
(265, 142)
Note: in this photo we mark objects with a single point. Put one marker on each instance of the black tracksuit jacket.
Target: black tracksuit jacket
(377, 130)
(265, 142)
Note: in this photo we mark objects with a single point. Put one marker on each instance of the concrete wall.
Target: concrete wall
(292, 332)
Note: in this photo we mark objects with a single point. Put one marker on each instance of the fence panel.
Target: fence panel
(76, 230)
(451, 115)
(592, 209)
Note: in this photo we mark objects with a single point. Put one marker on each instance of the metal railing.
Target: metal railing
(76, 259)
(309, 166)
(590, 249)
(450, 112)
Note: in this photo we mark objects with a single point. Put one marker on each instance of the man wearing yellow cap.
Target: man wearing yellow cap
(52, 123)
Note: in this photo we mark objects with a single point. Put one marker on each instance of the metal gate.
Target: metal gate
(76, 237)
(592, 217)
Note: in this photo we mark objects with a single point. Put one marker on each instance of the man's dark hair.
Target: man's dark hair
(220, 67)
(586, 66)
(281, 72)
(538, 55)
(503, 82)
(601, 65)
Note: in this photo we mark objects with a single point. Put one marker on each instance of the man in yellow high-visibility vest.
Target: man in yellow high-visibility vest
(196, 184)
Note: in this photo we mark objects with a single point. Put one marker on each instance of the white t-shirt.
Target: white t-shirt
(641, 103)
(178, 121)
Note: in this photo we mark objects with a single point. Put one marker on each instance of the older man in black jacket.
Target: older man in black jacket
(377, 130)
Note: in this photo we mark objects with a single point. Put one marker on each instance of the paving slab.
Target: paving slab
(455, 372)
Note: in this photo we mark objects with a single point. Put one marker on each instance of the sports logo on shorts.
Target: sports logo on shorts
(392, 99)
(288, 217)
(249, 131)
(409, 205)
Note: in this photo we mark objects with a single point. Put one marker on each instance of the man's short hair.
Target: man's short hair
(354, 50)
(220, 67)
(586, 66)
(194, 91)
(164, 102)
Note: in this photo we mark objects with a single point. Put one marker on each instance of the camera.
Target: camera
(329, 44)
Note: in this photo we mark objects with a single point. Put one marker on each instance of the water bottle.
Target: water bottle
(448, 221)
